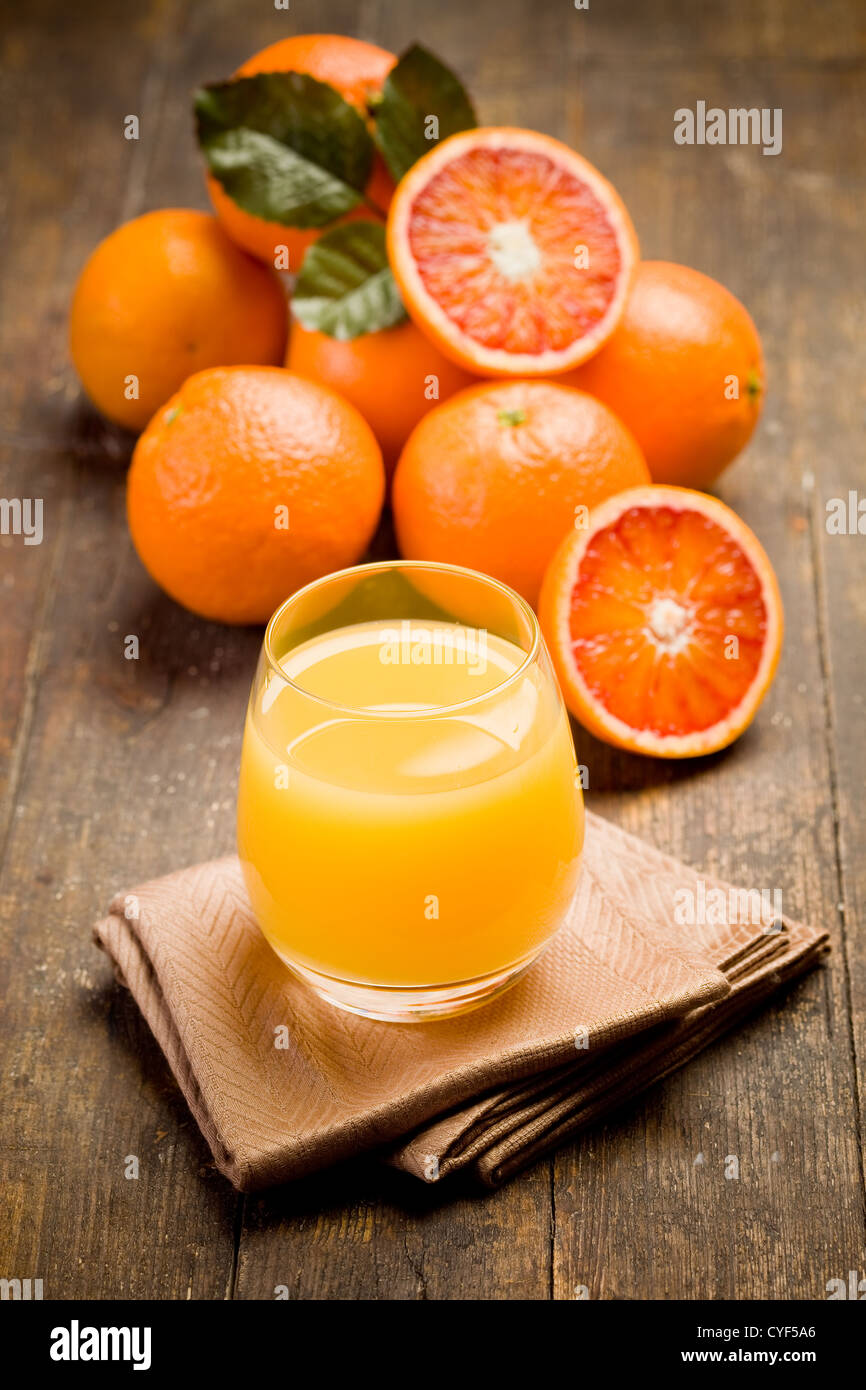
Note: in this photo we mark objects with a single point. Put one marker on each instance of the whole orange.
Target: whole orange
(494, 478)
(394, 377)
(685, 371)
(357, 70)
(164, 296)
(249, 483)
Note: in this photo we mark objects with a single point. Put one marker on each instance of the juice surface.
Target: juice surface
(412, 851)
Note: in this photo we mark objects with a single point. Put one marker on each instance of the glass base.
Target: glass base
(410, 1004)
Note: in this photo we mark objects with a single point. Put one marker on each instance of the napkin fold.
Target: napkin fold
(653, 963)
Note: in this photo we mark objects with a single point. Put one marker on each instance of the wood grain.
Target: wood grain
(84, 1085)
(762, 813)
(113, 770)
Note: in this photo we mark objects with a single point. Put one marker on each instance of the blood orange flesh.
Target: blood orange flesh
(511, 251)
(665, 622)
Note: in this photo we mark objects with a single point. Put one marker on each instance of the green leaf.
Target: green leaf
(285, 146)
(345, 287)
(417, 88)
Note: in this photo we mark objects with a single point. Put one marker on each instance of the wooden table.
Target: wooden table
(115, 770)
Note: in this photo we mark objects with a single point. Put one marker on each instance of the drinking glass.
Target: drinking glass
(410, 819)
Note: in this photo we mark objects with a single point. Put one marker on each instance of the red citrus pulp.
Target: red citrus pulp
(664, 621)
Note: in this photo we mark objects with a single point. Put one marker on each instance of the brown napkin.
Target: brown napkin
(282, 1083)
(507, 1129)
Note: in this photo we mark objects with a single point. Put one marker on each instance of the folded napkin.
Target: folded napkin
(282, 1083)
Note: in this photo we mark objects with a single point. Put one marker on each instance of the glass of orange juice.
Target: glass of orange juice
(410, 819)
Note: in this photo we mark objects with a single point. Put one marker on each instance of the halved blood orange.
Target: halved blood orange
(664, 621)
(511, 252)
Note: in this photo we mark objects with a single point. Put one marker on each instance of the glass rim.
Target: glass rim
(434, 711)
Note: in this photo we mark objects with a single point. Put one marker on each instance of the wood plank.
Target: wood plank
(635, 1217)
(831, 371)
(363, 1232)
(679, 32)
(76, 1099)
(28, 575)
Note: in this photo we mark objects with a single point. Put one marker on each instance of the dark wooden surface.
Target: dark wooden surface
(112, 771)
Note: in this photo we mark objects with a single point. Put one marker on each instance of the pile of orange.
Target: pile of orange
(472, 324)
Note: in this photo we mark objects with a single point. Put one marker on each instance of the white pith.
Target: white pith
(669, 625)
(513, 251)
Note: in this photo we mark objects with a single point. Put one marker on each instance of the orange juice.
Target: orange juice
(409, 812)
